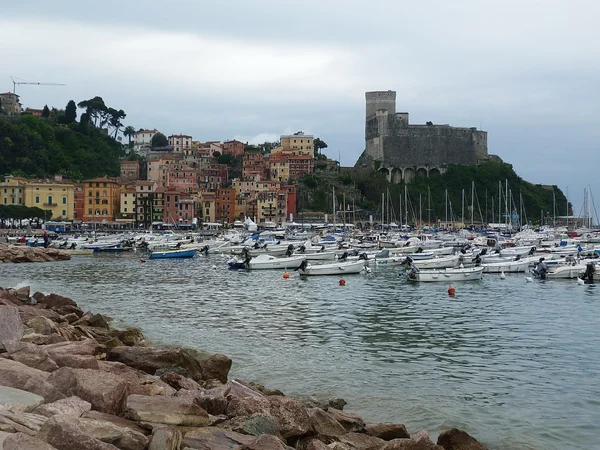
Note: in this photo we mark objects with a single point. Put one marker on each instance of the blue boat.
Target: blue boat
(162, 254)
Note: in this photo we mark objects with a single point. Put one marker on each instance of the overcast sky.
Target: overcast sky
(527, 72)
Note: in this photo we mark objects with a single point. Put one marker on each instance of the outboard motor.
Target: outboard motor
(204, 249)
(344, 256)
(477, 261)
(483, 252)
(532, 251)
(588, 275)
(322, 249)
(419, 250)
(289, 250)
(363, 256)
(302, 265)
(73, 246)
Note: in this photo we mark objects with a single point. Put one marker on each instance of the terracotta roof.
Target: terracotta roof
(101, 179)
(146, 131)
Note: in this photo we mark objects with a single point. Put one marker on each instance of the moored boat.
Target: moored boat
(446, 275)
(339, 268)
(163, 254)
(506, 266)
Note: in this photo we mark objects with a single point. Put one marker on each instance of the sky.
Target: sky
(525, 71)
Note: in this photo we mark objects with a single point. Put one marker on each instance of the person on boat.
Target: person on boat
(541, 269)
(46, 239)
(22, 239)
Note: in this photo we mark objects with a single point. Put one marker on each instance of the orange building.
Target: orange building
(102, 199)
(225, 205)
(233, 148)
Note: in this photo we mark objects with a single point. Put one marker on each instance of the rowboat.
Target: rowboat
(271, 262)
(339, 268)
(447, 275)
(163, 254)
(439, 263)
(506, 266)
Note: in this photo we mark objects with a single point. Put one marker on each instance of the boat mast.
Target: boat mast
(382, 210)
(462, 208)
(344, 200)
(472, 201)
(446, 209)
(499, 202)
(567, 207)
(333, 199)
(406, 202)
(506, 204)
(553, 208)
(429, 205)
(420, 212)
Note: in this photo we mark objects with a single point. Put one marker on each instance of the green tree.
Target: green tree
(114, 119)
(129, 132)
(46, 112)
(159, 140)
(71, 112)
(319, 145)
(96, 110)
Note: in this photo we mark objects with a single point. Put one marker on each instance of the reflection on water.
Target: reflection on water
(517, 364)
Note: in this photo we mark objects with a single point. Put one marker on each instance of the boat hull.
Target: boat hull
(347, 268)
(448, 275)
(166, 254)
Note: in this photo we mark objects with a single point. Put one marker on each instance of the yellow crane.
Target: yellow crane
(37, 83)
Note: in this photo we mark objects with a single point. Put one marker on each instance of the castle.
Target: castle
(403, 151)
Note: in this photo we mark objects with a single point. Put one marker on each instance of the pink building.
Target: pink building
(180, 142)
(214, 177)
(179, 207)
(233, 148)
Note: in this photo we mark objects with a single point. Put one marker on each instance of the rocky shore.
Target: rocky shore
(23, 253)
(71, 381)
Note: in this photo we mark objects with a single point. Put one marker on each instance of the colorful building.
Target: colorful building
(102, 199)
(225, 205)
(130, 170)
(254, 166)
(142, 141)
(10, 103)
(180, 208)
(12, 190)
(234, 148)
(56, 195)
(180, 142)
(214, 177)
(296, 144)
(79, 198)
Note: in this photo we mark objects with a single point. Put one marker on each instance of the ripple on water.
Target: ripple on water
(516, 364)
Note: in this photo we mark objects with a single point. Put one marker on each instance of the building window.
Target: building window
(64, 200)
(37, 198)
(64, 213)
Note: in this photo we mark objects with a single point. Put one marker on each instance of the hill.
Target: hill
(364, 189)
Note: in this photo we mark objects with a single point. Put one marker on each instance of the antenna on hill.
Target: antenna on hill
(37, 83)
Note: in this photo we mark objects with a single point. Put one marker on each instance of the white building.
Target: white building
(10, 103)
(142, 141)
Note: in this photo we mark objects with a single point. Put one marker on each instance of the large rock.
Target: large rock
(139, 382)
(387, 431)
(105, 391)
(53, 300)
(31, 355)
(22, 441)
(325, 426)
(211, 438)
(422, 437)
(43, 339)
(291, 415)
(18, 375)
(159, 360)
(409, 444)
(118, 421)
(124, 438)
(64, 433)
(20, 253)
(70, 406)
(351, 422)
(42, 325)
(455, 439)
(178, 381)
(78, 354)
(130, 336)
(11, 327)
(211, 400)
(361, 441)
(27, 423)
(265, 442)
(165, 439)
(255, 425)
(17, 400)
(28, 312)
(166, 410)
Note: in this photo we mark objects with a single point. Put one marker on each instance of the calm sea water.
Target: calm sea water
(516, 364)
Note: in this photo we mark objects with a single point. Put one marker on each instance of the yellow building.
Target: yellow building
(208, 208)
(266, 202)
(296, 144)
(55, 195)
(102, 199)
(279, 167)
(12, 191)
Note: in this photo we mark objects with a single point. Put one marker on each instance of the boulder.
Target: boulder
(98, 321)
(118, 421)
(211, 400)
(28, 312)
(38, 295)
(23, 293)
(325, 426)
(178, 381)
(139, 382)
(64, 433)
(361, 441)
(166, 410)
(70, 406)
(351, 422)
(9, 299)
(407, 444)
(11, 327)
(387, 431)
(422, 437)
(42, 325)
(54, 300)
(315, 444)
(71, 317)
(265, 442)
(17, 400)
(122, 437)
(31, 355)
(105, 391)
(87, 347)
(18, 375)
(22, 441)
(43, 339)
(211, 438)
(165, 439)
(455, 439)
(254, 424)
(291, 415)
(130, 336)
(27, 423)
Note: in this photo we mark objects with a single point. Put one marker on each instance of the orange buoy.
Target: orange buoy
(286, 275)
(451, 291)
(342, 282)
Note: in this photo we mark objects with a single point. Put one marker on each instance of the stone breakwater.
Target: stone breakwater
(71, 381)
(23, 253)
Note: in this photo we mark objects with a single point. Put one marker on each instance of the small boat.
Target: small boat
(339, 268)
(446, 275)
(79, 251)
(271, 262)
(439, 263)
(506, 266)
(163, 254)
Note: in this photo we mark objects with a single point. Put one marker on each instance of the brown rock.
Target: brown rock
(22, 441)
(131, 337)
(76, 361)
(455, 439)
(23, 293)
(315, 444)
(42, 325)
(105, 391)
(387, 431)
(11, 327)
(139, 382)
(255, 425)
(122, 437)
(351, 422)
(27, 423)
(98, 321)
(177, 381)
(119, 421)
(27, 312)
(42, 339)
(71, 317)
(211, 400)
(17, 400)
(70, 406)
(53, 300)
(18, 375)
(87, 347)
(216, 367)
(31, 355)
(422, 437)
(211, 438)
(64, 433)
(165, 439)
(325, 426)
(166, 410)
(38, 295)
(265, 442)
(361, 441)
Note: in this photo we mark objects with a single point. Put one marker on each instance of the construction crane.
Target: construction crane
(37, 83)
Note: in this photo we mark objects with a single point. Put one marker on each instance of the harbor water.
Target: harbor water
(515, 364)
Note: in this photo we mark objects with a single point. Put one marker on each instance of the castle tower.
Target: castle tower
(377, 100)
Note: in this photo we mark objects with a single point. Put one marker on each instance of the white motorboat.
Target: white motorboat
(272, 262)
(506, 266)
(319, 256)
(338, 268)
(566, 271)
(439, 263)
(446, 275)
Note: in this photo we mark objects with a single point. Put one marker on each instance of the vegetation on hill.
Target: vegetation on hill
(364, 188)
(58, 144)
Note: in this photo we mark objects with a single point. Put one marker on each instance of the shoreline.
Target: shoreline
(166, 397)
